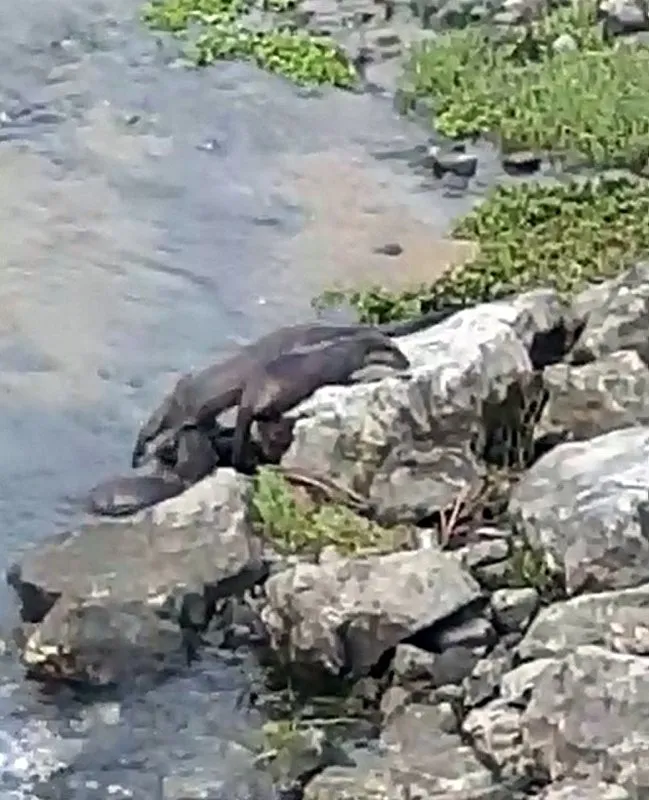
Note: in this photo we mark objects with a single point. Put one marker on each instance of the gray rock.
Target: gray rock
(413, 664)
(591, 298)
(517, 684)
(564, 43)
(514, 608)
(624, 16)
(484, 681)
(578, 506)
(488, 550)
(523, 162)
(562, 627)
(410, 490)
(124, 578)
(365, 433)
(585, 790)
(394, 700)
(476, 632)
(229, 772)
(495, 733)
(628, 631)
(589, 717)
(346, 614)
(594, 398)
(457, 162)
(621, 322)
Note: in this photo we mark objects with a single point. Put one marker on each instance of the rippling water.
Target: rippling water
(152, 217)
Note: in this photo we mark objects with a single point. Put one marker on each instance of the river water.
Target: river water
(152, 217)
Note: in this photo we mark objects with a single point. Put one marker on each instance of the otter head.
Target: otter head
(164, 422)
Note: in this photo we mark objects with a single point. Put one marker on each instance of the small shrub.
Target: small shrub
(295, 527)
(214, 31)
(590, 102)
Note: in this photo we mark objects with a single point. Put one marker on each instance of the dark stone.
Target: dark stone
(524, 162)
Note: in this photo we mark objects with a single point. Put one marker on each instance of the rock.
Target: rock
(621, 321)
(585, 790)
(491, 547)
(484, 681)
(102, 643)
(578, 506)
(412, 664)
(228, 773)
(564, 43)
(345, 614)
(412, 491)
(523, 162)
(562, 627)
(589, 717)
(517, 684)
(419, 760)
(462, 371)
(459, 163)
(594, 398)
(495, 733)
(624, 16)
(514, 608)
(476, 632)
(133, 579)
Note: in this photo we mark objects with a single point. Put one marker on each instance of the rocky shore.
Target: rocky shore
(500, 643)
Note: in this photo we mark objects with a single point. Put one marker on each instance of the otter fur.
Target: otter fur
(219, 386)
(281, 384)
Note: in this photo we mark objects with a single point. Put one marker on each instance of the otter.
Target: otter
(283, 383)
(181, 463)
(219, 386)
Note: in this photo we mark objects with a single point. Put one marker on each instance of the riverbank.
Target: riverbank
(447, 571)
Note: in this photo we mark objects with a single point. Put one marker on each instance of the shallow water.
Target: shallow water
(152, 217)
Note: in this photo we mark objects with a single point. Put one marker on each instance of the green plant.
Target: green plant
(563, 235)
(528, 567)
(590, 101)
(215, 29)
(295, 527)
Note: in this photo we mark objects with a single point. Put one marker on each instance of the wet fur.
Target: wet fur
(286, 381)
(200, 398)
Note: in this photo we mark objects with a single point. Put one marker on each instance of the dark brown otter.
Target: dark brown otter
(218, 387)
(283, 383)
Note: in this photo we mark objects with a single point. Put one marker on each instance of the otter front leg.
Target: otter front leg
(245, 418)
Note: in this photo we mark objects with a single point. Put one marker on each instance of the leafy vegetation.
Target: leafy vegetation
(528, 567)
(562, 235)
(216, 29)
(556, 85)
(299, 526)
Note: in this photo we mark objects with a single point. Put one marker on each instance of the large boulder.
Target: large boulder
(343, 614)
(411, 443)
(603, 395)
(419, 758)
(618, 317)
(578, 505)
(589, 717)
(107, 599)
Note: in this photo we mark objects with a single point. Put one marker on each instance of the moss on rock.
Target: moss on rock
(216, 30)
